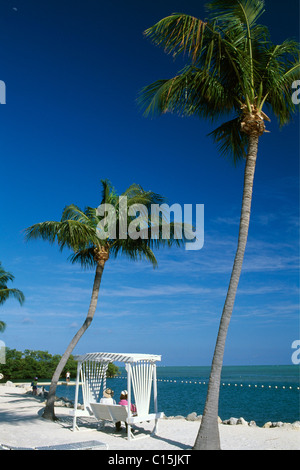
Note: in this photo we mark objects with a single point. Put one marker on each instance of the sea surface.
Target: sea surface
(258, 393)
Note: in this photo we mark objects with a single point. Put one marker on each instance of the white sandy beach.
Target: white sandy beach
(21, 425)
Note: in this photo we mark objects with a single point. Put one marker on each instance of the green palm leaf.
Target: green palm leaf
(232, 63)
(178, 33)
(247, 12)
(230, 140)
(6, 293)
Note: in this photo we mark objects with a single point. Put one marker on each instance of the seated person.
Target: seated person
(108, 397)
(124, 402)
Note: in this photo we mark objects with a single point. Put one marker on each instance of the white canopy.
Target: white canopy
(117, 357)
(141, 377)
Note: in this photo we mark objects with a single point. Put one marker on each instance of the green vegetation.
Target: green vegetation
(112, 370)
(28, 364)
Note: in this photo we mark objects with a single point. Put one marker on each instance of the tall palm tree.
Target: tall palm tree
(233, 72)
(92, 242)
(6, 293)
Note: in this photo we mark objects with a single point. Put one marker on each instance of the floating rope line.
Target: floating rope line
(278, 387)
(230, 384)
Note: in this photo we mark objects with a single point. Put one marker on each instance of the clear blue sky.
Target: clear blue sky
(73, 70)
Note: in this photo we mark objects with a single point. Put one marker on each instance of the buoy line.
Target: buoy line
(224, 384)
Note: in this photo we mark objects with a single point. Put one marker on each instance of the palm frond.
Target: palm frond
(151, 100)
(44, 230)
(73, 212)
(6, 293)
(142, 197)
(279, 100)
(246, 13)
(193, 92)
(178, 33)
(227, 11)
(69, 233)
(5, 276)
(109, 194)
(85, 257)
(135, 250)
(75, 235)
(230, 140)
(278, 67)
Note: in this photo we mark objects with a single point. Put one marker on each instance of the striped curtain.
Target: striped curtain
(142, 376)
(93, 378)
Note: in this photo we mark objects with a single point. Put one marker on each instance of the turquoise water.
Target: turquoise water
(259, 393)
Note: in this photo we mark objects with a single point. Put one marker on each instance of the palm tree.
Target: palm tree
(6, 293)
(87, 234)
(234, 71)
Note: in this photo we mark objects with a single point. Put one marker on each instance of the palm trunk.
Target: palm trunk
(208, 436)
(49, 409)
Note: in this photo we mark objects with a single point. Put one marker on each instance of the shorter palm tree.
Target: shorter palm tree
(85, 234)
(6, 293)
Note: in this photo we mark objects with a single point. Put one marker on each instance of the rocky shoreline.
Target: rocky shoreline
(238, 421)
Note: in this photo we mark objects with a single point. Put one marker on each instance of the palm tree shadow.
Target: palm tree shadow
(180, 445)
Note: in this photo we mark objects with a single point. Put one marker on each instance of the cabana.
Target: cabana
(141, 380)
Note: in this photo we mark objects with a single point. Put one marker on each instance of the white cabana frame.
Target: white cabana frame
(141, 378)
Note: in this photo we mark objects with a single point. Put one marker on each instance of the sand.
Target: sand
(21, 425)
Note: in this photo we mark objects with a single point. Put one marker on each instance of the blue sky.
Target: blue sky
(73, 71)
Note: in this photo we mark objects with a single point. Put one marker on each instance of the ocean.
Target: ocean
(256, 393)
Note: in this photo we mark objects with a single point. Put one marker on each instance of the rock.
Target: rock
(175, 417)
(59, 403)
(267, 425)
(192, 416)
(296, 425)
(242, 421)
(252, 423)
(63, 401)
(287, 426)
(277, 424)
(231, 421)
(9, 384)
(67, 400)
